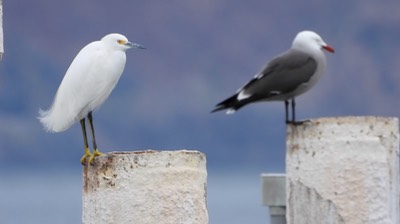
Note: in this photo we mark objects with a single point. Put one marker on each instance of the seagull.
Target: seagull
(285, 77)
(87, 83)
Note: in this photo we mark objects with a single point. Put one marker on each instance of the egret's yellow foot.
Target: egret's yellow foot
(96, 152)
(87, 154)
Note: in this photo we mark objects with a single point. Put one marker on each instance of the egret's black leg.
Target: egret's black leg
(286, 112)
(90, 118)
(96, 151)
(83, 126)
(85, 142)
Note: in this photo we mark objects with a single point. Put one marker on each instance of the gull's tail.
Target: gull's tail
(232, 104)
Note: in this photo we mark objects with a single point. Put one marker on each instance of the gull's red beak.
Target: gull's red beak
(328, 48)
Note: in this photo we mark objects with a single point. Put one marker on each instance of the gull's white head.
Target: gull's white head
(119, 41)
(310, 41)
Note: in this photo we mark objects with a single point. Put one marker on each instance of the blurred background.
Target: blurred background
(198, 53)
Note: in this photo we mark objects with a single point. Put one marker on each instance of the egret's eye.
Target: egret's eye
(122, 42)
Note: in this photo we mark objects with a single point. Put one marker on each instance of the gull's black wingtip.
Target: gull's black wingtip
(216, 109)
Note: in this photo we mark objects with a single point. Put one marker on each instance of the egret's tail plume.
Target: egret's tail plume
(44, 118)
(53, 123)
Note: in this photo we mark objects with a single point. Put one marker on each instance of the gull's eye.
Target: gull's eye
(122, 42)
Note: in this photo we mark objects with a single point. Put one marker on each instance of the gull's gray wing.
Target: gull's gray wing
(282, 75)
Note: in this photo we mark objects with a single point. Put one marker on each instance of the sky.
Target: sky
(198, 53)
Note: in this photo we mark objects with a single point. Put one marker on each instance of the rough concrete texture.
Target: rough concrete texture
(146, 187)
(343, 170)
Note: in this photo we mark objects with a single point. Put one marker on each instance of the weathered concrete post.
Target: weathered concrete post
(274, 196)
(146, 187)
(343, 170)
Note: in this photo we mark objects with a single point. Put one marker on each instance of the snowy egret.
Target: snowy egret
(87, 83)
(285, 77)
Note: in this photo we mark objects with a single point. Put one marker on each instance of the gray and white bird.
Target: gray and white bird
(285, 77)
(87, 83)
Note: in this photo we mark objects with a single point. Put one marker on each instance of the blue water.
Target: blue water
(54, 196)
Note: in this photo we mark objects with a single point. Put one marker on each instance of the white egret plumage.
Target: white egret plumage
(285, 77)
(87, 83)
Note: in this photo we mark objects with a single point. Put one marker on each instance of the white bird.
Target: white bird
(87, 83)
(284, 77)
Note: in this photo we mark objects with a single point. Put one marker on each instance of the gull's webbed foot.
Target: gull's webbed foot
(296, 123)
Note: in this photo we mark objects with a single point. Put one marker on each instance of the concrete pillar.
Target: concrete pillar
(146, 187)
(343, 170)
(274, 196)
